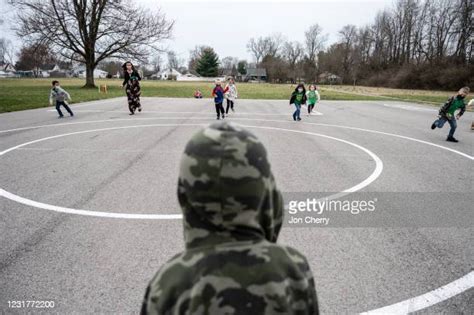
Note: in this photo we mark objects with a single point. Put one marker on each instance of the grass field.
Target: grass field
(20, 94)
(420, 96)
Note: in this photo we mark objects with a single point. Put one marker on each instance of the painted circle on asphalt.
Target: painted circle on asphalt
(420, 302)
(4, 193)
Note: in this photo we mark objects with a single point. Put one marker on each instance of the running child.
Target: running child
(447, 113)
(60, 97)
(230, 92)
(218, 94)
(313, 97)
(298, 98)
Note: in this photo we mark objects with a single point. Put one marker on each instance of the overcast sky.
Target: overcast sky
(227, 25)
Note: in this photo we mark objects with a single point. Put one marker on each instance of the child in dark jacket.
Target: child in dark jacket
(298, 98)
(218, 94)
(447, 113)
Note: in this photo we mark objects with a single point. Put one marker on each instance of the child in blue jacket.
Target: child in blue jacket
(218, 94)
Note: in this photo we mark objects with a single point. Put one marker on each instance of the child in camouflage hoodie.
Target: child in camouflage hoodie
(232, 213)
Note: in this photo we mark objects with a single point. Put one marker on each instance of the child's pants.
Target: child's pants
(296, 114)
(230, 104)
(452, 123)
(310, 108)
(58, 108)
(219, 109)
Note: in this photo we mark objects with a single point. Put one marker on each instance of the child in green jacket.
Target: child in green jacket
(313, 97)
(447, 113)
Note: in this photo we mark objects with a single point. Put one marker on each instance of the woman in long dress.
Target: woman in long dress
(131, 79)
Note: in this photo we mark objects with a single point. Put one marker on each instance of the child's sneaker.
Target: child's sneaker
(451, 139)
(433, 126)
(61, 116)
(218, 118)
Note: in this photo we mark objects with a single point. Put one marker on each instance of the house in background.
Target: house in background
(167, 74)
(329, 78)
(253, 75)
(7, 70)
(80, 72)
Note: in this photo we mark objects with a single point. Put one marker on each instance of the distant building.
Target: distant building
(167, 74)
(329, 78)
(254, 74)
(7, 70)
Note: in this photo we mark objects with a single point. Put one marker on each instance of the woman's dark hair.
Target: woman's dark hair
(124, 66)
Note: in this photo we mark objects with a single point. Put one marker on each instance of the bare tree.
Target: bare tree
(257, 47)
(293, 52)
(156, 62)
(229, 62)
(348, 36)
(314, 41)
(91, 31)
(273, 45)
(6, 51)
(173, 61)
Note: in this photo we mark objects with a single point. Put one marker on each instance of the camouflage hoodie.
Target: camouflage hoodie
(232, 216)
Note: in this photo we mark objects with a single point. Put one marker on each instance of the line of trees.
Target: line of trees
(414, 44)
(289, 60)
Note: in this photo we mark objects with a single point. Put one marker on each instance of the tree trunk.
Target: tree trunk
(90, 75)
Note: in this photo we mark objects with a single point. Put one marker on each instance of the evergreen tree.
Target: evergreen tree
(242, 67)
(208, 63)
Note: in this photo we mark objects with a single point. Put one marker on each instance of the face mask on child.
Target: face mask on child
(300, 90)
(461, 97)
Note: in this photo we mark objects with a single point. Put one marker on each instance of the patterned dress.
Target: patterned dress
(132, 87)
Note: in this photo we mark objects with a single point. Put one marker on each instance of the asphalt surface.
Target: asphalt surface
(423, 241)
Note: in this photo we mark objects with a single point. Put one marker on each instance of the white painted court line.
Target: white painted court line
(428, 299)
(376, 173)
(447, 291)
(250, 119)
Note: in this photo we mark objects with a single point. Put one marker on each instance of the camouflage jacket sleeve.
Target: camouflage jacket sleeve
(445, 107)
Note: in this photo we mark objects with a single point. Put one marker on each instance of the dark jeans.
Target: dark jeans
(230, 104)
(452, 123)
(310, 108)
(58, 108)
(219, 110)
(296, 114)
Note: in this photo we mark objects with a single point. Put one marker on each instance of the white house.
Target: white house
(7, 70)
(165, 74)
(98, 74)
(4, 74)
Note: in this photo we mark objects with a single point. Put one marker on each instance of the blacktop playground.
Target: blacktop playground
(89, 209)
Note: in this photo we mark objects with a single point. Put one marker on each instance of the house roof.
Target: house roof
(7, 66)
(257, 72)
(169, 71)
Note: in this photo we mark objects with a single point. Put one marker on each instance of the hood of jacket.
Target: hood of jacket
(226, 189)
